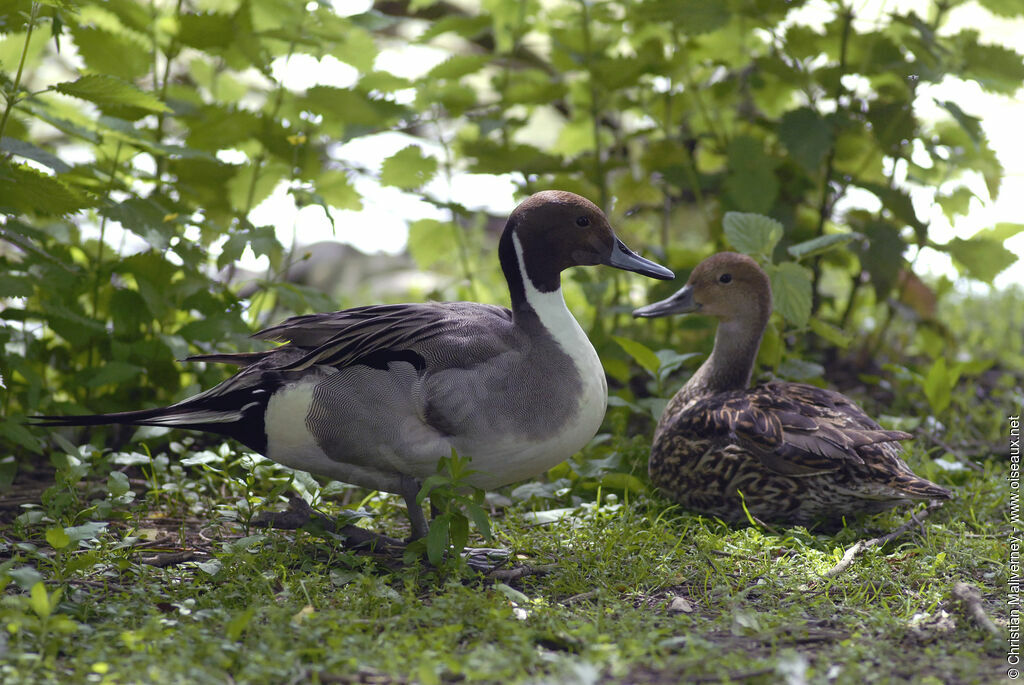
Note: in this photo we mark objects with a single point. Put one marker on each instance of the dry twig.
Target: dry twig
(860, 546)
(970, 597)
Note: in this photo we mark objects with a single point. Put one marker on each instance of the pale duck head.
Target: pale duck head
(728, 286)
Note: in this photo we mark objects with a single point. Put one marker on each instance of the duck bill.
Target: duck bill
(680, 303)
(624, 258)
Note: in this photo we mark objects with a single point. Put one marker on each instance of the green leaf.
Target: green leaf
(86, 531)
(356, 47)
(970, 125)
(39, 601)
(982, 257)
(350, 106)
(16, 286)
(691, 17)
(459, 532)
(883, 257)
(432, 242)
(27, 150)
(206, 30)
(1003, 8)
(238, 623)
(114, 373)
(57, 538)
(939, 384)
(117, 483)
(336, 190)
(994, 67)
(821, 244)
(750, 184)
(110, 90)
(795, 369)
(457, 66)
(806, 136)
(408, 168)
(752, 234)
(832, 334)
(117, 54)
(25, 190)
(791, 292)
(437, 539)
(480, 519)
(642, 354)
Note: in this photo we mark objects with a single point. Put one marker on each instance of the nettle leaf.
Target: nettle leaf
(111, 53)
(752, 234)
(640, 353)
(492, 157)
(883, 257)
(110, 90)
(791, 292)
(350, 106)
(457, 66)
(982, 257)
(408, 168)
(691, 17)
(996, 68)
(939, 384)
(28, 150)
(807, 137)
(970, 124)
(23, 189)
(337, 190)
(832, 334)
(821, 244)
(1003, 8)
(356, 47)
(16, 286)
(432, 242)
(262, 240)
(750, 183)
(206, 30)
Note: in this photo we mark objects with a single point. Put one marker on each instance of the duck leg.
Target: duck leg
(410, 490)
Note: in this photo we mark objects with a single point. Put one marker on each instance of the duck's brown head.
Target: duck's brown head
(726, 285)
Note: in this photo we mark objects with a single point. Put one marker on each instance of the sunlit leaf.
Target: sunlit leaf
(791, 292)
(752, 234)
(109, 90)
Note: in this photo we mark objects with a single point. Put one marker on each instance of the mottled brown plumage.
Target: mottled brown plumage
(789, 452)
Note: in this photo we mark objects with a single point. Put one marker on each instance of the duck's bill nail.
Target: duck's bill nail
(680, 303)
(624, 258)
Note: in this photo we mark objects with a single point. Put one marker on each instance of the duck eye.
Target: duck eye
(725, 278)
(582, 221)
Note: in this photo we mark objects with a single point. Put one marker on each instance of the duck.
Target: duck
(783, 452)
(376, 395)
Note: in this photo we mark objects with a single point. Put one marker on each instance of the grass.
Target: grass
(634, 591)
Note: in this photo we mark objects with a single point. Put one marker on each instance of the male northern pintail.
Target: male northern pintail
(376, 395)
(785, 452)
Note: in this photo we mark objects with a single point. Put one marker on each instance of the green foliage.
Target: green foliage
(172, 123)
(449, 529)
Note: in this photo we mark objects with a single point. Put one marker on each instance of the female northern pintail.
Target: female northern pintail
(376, 395)
(785, 452)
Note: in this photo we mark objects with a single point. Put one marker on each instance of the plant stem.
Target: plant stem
(827, 203)
(595, 110)
(12, 96)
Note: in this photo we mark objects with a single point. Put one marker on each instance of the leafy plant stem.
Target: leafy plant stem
(161, 117)
(12, 95)
(826, 202)
(595, 110)
(99, 256)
